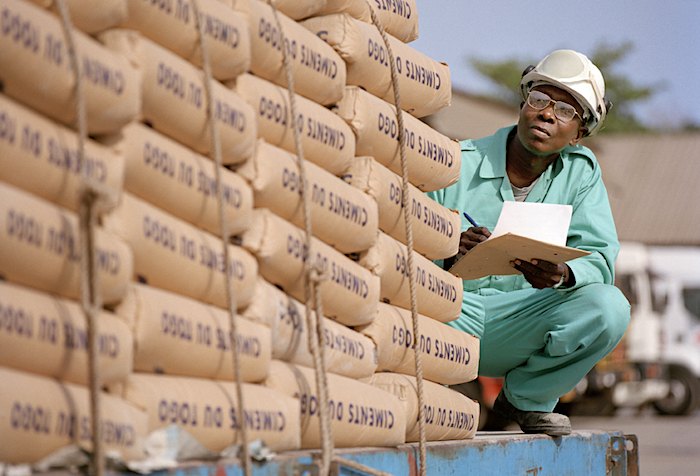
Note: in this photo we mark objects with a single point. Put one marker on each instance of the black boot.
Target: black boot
(553, 424)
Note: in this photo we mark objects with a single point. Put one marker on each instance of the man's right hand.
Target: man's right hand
(472, 237)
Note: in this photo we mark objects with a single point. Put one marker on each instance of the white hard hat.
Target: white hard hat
(575, 73)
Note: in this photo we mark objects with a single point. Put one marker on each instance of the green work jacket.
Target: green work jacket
(574, 179)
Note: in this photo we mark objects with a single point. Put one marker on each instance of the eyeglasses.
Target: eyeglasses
(563, 111)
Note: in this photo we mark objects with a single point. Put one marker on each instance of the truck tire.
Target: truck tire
(683, 395)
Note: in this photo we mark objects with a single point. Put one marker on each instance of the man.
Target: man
(544, 329)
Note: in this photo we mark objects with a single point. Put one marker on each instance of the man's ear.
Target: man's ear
(580, 134)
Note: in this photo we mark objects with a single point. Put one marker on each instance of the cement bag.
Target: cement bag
(47, 335)
(325, 138)
(40, 156)
(436, 229)
(424, 83)
(175, 103)
(319, 73)
(180, 181)
(209, 410)
(91, 16)
(341, 215)
(299, 9)
(448, 356)
(36, 70)
(173, 255)
(347, 352)
(349, 293)
(433, 160)
(360, 414)
(177, 335)
(449, 415)
(438, 292)
(399, 18)
(40, 248)
(37, 415)
(173, 26)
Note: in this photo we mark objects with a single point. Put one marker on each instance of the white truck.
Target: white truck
(675, 280)
(658, 360)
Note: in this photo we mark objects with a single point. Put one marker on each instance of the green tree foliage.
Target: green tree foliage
(619, 89)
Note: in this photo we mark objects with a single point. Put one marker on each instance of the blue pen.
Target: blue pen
(471, 220)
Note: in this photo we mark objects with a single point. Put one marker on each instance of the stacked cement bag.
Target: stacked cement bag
(347, 352)
(177, 305)
(165, 337)
(449, 415)
(42, 417)
(168, 210)
(433, 162)
(44, 399)
(360, 414)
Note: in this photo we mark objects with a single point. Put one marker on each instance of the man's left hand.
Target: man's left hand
(542, 274)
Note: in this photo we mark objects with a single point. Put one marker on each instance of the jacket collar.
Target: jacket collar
(493, 166)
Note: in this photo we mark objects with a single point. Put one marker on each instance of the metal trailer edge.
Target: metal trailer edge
(503, 453)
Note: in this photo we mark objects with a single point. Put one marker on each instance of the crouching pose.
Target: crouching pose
(544, 329)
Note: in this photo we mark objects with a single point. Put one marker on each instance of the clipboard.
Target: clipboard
(524, 231)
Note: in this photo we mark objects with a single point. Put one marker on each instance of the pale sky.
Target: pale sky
(666, 38)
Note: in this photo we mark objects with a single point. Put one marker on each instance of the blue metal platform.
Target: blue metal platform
(583, 453)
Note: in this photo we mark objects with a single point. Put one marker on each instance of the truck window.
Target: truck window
(691, 298)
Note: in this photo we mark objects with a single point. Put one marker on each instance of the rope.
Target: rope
(359, 467)
(90, 300)
(230, 297)
(409, 244)
(313, 277)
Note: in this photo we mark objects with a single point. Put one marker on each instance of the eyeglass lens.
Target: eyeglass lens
(539, 100)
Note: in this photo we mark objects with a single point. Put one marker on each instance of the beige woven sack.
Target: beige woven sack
(433, 160)
(36, 71)
(180, 181)
(174, 255)
(399, 18)
(175, 102)
(325, 138)
(424, 83)
(448, 356)
(299, 9)
(449, 415)
(37, 413)
(360, 414)
(438, 292)
(347, 352)
(40, 248)
(47, 335)
(91, 16)
(41, 156)
(341, 215)
(319, 73)
(436, 229)
(173, 26)
(349, 292)
(209, 410)
(177, 335)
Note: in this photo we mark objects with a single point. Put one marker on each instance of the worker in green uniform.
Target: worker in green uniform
(544, 329)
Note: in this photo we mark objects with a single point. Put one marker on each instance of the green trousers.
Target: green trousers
(543, 341)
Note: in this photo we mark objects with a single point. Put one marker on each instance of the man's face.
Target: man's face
(541, 132)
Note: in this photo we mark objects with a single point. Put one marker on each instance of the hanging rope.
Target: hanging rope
(313, 274)
(91, 301)
(409, 244)
(230, 295)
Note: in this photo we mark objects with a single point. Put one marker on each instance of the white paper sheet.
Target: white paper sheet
(546, 222)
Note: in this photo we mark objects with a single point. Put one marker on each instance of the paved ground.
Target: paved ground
(668, 446)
